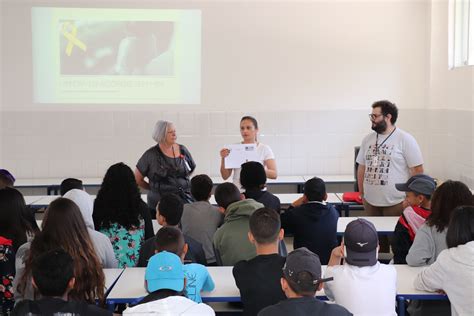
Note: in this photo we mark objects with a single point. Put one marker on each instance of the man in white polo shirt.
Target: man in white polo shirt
(361, 284)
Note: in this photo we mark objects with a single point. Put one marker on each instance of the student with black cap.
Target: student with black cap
(253, 179)
(300, 282)
(419, 190)
(361, 284)
(312, 221)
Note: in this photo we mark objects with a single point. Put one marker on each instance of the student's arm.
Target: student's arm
(209, 283)
(422, 250)
(431, 278)
(416, 170)
(271, 168)
(360, 178)
(400, 244)
(336, 256)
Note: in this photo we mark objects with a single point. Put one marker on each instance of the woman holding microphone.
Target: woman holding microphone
(249, 132)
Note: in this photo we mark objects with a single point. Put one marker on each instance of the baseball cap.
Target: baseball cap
(164, 271)
(420, 183)
(360, 242)
(300, 260)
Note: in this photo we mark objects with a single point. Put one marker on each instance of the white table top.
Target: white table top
(111, 275)
(31, 199)
(130, 286)
(44, 182)
(336, 178)
(285, 199)
(383, 224)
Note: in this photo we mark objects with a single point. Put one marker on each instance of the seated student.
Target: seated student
(53, 277)
(63, 227)
(200, 219)
(69, 184)
(102, 244)
(13, 222)
(120, 214)
(258, 279)
(165, 280)
(453, 271)
(419, 190)
(14, 232)
(198, 278)
(361, 284)
(430, 238)
(312, 222)
(300, 282)
(168, 213)
(253, 179)
(230, 240)
(6, 179)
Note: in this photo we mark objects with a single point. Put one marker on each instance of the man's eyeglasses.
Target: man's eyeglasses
(372, 117)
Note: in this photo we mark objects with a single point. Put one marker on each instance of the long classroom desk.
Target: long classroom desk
(111, 276)
(52, 184)
(40, 201)
(130, 286)
(385, 225)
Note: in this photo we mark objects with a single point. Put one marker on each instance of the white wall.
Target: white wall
(308, 70)
(451, 106)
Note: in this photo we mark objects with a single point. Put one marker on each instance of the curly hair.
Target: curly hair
(64, 227)
(118, 200)
(446, 198)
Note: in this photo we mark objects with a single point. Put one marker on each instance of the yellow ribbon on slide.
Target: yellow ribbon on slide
(71, 36)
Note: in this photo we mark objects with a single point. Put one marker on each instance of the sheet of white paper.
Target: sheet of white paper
(239, 154)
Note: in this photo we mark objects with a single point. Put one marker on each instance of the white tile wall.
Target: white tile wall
(84, 144)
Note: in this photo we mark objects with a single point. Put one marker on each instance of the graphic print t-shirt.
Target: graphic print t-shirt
(387, 164)
(197, 279)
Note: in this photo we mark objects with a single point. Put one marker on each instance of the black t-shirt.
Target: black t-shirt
(195, 252)
(258, 280)
(304, 306)
(57, 307)
(166, 174)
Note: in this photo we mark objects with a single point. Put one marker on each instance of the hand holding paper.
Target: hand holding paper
(239, 154)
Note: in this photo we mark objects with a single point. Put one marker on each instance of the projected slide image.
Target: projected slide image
(116, 48)
(112, 56)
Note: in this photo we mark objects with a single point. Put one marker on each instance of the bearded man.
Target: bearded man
(387, 156)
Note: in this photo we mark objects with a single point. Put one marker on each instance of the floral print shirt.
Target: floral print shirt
(126, 243)
(7, 274)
